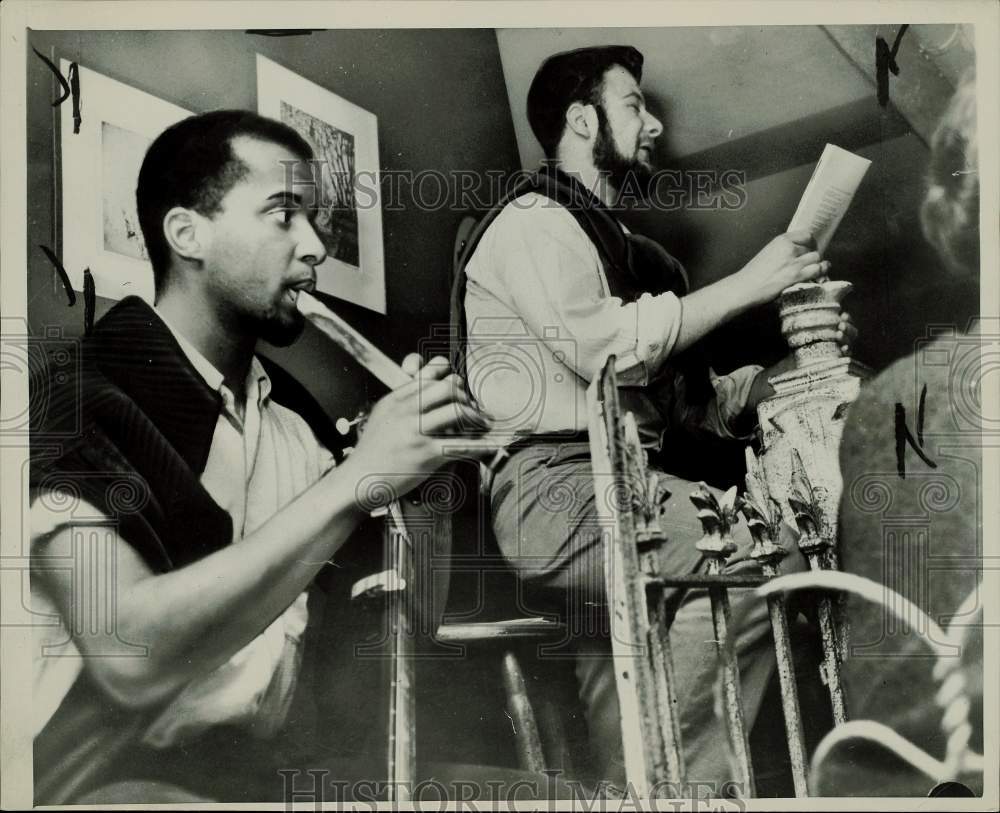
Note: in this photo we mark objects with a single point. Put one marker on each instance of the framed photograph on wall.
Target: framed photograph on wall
(344, 138)
(100, 166)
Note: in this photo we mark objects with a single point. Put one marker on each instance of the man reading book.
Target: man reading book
(553, 269)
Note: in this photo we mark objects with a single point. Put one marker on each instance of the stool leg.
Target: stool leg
(529, 744)
(402, 754)
(555, 745)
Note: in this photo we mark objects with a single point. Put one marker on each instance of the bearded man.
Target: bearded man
(551, 285)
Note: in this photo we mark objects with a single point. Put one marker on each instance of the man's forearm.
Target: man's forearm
(783, 262)
(204, 613)
(196, 618)
(709, 307)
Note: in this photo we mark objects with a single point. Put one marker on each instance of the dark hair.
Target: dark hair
(192, 164)
(950, 212)
(573, 76)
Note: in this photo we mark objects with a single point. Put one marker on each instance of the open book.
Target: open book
(828, 194)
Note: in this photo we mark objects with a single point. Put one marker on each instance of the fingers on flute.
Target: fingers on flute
(801, 237)
(434, 370)
(412, 364)
(437, 393)
(453, 417)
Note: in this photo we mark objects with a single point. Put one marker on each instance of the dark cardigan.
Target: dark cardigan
(129, 431)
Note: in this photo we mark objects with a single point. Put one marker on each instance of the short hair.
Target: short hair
(573, 76)
(950, 211)
(192, 164)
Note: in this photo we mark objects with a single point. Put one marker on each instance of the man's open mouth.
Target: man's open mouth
(292, 294)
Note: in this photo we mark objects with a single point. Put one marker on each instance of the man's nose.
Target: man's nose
(310, 247)
(653, 126)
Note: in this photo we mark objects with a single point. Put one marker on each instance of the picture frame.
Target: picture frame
(344, 138)
(100, 167)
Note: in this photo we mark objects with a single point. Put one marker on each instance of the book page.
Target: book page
(828, 194)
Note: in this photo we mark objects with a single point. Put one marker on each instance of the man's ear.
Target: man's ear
(582, 119)
(186, 233)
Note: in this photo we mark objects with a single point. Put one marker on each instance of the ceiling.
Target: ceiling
(713, 85)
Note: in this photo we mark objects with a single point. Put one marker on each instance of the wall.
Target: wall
(441, 104)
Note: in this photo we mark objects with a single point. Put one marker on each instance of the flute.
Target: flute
(384, 368)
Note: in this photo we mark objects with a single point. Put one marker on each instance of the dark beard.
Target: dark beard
(278, 331)
(630, 177)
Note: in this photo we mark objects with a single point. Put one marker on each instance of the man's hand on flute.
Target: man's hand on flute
(414, 430)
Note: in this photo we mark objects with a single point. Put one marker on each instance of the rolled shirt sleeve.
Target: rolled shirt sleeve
(658, 324)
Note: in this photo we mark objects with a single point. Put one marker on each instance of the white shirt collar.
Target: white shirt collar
(257, 383)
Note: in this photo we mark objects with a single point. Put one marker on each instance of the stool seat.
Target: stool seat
(514, 628)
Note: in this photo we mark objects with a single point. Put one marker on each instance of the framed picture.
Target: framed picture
(100, 167)
(344, 139)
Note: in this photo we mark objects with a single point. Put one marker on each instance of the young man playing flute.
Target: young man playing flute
(217, 502)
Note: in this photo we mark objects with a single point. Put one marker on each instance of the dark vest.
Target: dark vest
(633, 265)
